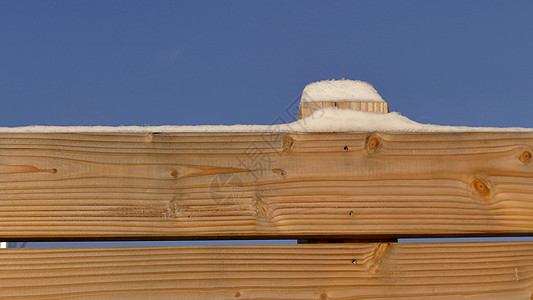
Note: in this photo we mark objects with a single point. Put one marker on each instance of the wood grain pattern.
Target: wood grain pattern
(332, 271)
(217, 185)
(308, 108)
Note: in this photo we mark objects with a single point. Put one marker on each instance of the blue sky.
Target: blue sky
(229, 62)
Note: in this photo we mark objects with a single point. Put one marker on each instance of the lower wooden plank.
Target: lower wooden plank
(497, 270)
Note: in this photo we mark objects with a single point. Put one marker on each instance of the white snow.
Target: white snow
(323, 120)
(344, 120)
(340, 90)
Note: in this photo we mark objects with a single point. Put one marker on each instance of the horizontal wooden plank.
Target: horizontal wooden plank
(215, 185)
(498, 270)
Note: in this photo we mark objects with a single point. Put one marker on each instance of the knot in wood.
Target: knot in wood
(481, 187)
(287, 143)
(526, 156)
(373, 143)
(280, 172)
(174, 208)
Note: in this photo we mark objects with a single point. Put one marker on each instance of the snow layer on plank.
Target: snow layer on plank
(323, 120)
(340, 91)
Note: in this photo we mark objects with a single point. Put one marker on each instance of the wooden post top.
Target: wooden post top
(344, 94)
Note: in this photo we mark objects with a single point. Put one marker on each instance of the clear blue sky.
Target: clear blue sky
(227, 62)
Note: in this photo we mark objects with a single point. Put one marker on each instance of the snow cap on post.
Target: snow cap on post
(346, 94)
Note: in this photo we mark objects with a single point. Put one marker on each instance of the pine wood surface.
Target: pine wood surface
(498, 270)
(218, 185)
(308, 108)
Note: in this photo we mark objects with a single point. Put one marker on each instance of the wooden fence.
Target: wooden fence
(345, 187)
